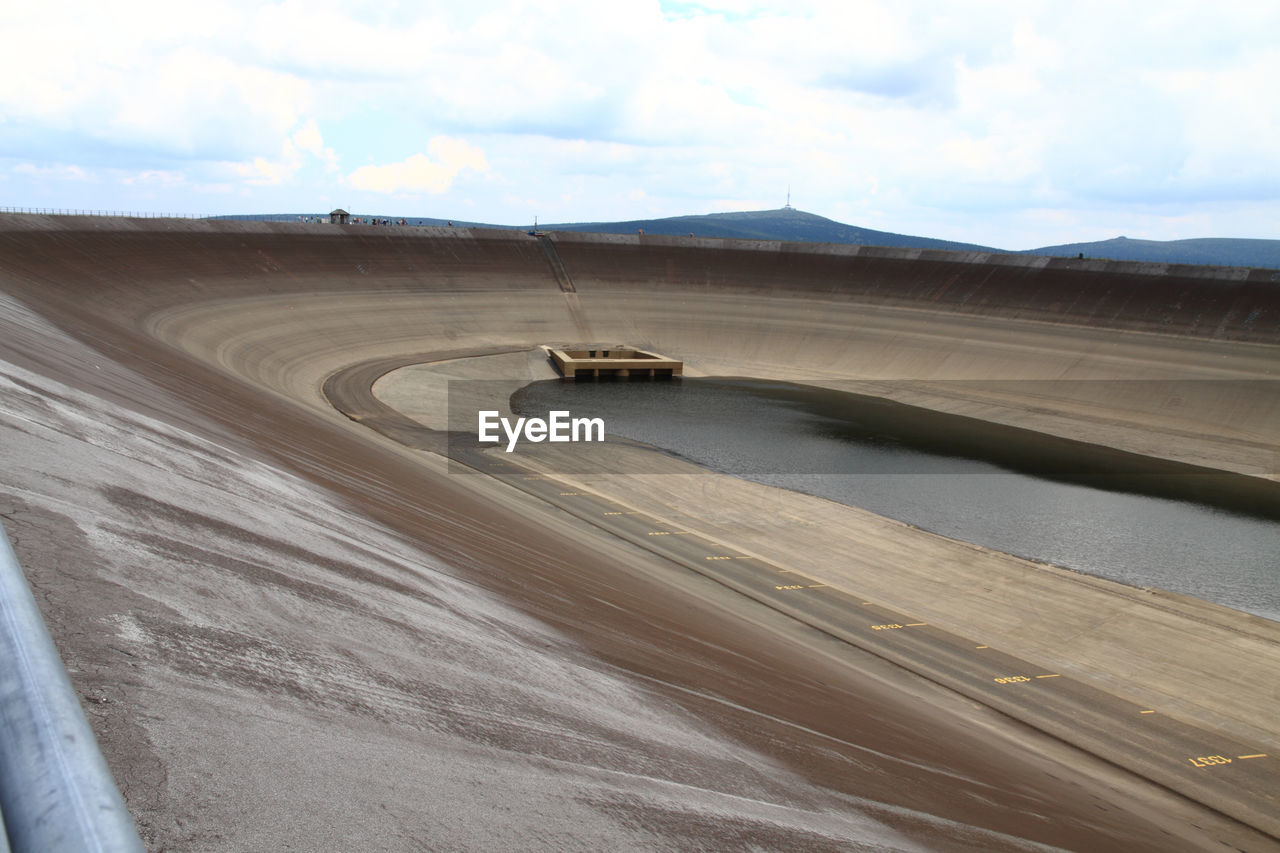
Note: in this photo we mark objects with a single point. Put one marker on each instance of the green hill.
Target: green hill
(790, 224)
(1217, 251)
(783, 224)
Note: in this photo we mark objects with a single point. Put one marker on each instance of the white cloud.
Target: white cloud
(137, 76)
(155, 177)
(420, 173)
(61, 172)
(307, 138)
(260, 171)
(952, 116)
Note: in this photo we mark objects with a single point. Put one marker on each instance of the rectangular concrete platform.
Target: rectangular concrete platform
(595, 361)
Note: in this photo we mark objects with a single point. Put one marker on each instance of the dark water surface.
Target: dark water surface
(1050, 500)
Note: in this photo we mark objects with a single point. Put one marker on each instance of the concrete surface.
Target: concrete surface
(295, 632)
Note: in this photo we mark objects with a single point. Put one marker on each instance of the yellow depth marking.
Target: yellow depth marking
(613, 513)
(1209, 760)
(1258, 755)
(916, 624)
(719, 558)
(790, 586)
(1146, 712)
(982, 647)
(659, 532)
(1054, 675)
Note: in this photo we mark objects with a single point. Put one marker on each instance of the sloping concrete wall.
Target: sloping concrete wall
(192, 257)
(177, 367)
(1221, 302)
(286, 304)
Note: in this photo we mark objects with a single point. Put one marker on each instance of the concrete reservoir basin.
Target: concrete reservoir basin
(295, 622)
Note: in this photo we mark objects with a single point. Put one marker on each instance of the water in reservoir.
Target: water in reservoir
(1011, 491)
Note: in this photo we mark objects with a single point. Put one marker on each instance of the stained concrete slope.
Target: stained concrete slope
(1207, 662)
(1233, 303)
(296, 588)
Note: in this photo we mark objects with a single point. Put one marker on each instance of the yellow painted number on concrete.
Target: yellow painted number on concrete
(660, 533)
(885, 627)
(1208, 760)
(1012, 679)
(719, 558)
(791, 586)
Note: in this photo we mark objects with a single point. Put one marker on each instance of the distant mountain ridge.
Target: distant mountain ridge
(1216, 251)
(786, 223)
(790, 224)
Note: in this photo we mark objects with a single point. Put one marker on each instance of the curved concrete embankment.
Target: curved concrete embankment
(223, 335)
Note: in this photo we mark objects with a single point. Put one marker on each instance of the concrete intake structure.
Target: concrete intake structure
(617, 361)
(292, 626)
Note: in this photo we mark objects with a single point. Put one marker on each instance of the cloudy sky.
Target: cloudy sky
(1014, 124)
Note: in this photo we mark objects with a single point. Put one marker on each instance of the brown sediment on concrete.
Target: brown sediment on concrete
(1233, 303)
(1201, 661)
(233, 516)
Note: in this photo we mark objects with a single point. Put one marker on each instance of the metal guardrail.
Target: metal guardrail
(56, 793)
(134, 214)
(305, 218)
(150, 214)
